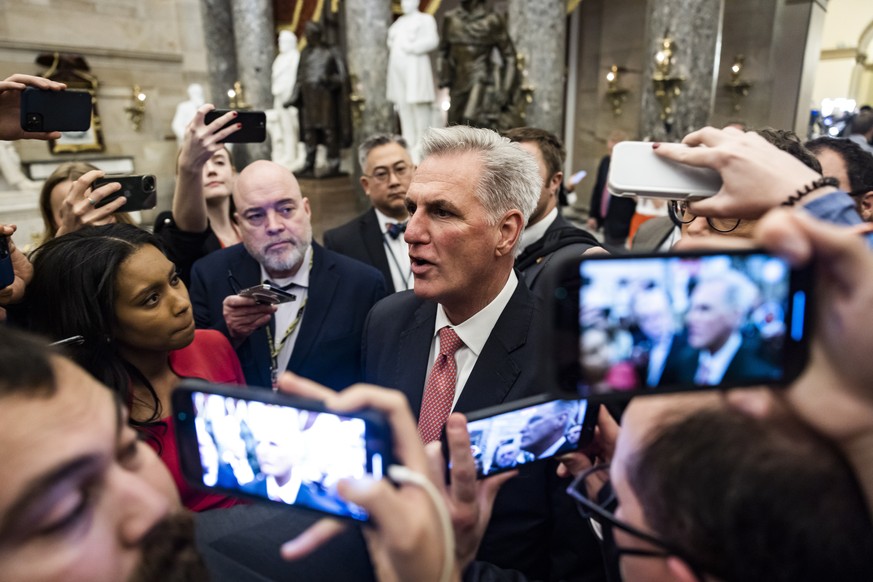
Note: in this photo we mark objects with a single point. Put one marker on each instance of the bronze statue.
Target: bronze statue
(321, 95)
(479, 93)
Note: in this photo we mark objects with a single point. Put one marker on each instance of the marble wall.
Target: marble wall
(156, 44)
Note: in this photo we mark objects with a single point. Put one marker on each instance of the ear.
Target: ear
(555, 183)
(867, 206)
(365, 184)
(510, 227)
(306, 207)
(680, 571)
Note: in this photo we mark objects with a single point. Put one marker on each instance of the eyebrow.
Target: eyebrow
(145, 291)
(273, 205)
(440, 203)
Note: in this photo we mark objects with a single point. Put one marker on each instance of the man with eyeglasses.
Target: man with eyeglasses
(317, 333)
(376, 236)
(705, 492)
(852, 167)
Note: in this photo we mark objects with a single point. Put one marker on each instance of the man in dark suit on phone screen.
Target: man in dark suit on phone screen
(464, 339)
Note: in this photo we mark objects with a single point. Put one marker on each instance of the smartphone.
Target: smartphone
(7, 274)
(635, 169)
(276, 448)
(505, 437)
(267, 294)
(643, 324)
(253, 130)
(46, 110)
(141, 192)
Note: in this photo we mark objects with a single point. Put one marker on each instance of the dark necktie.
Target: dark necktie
(395, 229)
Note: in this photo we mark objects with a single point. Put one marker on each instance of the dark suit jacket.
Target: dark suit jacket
(616, 223)
(328, 346)
(308, 495)
(241, 544)
(361, 239)
(535, 527)
(538, 267)
(745, 367)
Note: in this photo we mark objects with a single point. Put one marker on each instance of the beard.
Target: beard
(288, 260)
(169, 553)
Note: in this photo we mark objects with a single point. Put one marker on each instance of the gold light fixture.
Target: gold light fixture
(136, 109)
(237, 97)
(615, 92)
(668, 86)
(738, 86)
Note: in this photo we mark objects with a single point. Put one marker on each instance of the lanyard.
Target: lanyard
(404, 276)
(276, 350)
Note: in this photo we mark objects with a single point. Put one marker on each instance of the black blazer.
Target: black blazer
(539, 266)
(747, 365)
(534, 528)
(616, 223)
(362, 239)
(328, 346)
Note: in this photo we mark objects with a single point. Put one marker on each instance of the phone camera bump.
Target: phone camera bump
(34, 122)
(148, 183)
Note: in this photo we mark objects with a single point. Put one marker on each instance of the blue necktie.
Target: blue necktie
(395, 229)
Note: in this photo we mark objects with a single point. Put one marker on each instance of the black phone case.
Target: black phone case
(45, 110)
(253, 130)
(7, 274)
(140, 195)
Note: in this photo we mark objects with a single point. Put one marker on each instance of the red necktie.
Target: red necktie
(439, 392)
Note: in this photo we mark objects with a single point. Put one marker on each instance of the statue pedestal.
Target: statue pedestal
(334, 201)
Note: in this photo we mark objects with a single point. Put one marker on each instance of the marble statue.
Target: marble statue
(10, 169)
(284, 127)
(186, 110)
(410, 78)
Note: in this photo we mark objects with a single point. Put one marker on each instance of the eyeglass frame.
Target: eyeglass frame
(389, 170)
(673, 211)
(607, 520)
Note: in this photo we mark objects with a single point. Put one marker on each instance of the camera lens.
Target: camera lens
(34, 122)
(148, 183)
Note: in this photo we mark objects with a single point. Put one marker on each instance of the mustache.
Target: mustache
(169, 553)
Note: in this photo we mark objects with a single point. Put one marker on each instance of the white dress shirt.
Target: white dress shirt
(397, 252)
(287, 492)
(717, 363)
(550, 452)
(535, 232)
(286, 313)
(474, 333)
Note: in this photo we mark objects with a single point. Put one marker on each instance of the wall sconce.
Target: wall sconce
(617, 95)
(738, 87)
(667, 85)
(357, 100)
(136, 110)
(237, 97)
(526, 90)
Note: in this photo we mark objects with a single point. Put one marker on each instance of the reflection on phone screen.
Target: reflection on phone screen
(696, 321)
(280, 453)
(508, 440)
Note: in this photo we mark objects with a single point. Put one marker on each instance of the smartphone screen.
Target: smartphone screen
(290, 454)
(505, 437)
(683, 321)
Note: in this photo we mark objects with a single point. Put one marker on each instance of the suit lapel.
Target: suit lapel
(373, 242)
(497, 368)
(247, 272)
(413, 353)
(323, 281)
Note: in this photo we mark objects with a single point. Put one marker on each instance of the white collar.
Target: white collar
(385, 220)
(718, 362)
(550, 452)
(535, 232)
(300, 278)
(287, 492)
(475, 331)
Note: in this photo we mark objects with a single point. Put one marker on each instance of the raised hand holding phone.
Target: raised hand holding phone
(11, 90)
(79, 208)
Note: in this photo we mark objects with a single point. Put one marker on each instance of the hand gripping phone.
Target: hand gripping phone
(276, 448)
(7, 274)
(141, 192)
(643, 324)
(253, 130)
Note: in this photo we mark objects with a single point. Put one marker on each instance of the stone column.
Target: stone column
(367, 58)
(695, 28)
(539, 31)
(255, 37)
(220, 50)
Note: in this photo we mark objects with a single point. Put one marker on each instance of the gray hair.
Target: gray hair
(377, 140)
(740, 293)
(510, 177)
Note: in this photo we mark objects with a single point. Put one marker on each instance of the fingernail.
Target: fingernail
(656, 145)
(239, 125)
(235, 113)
